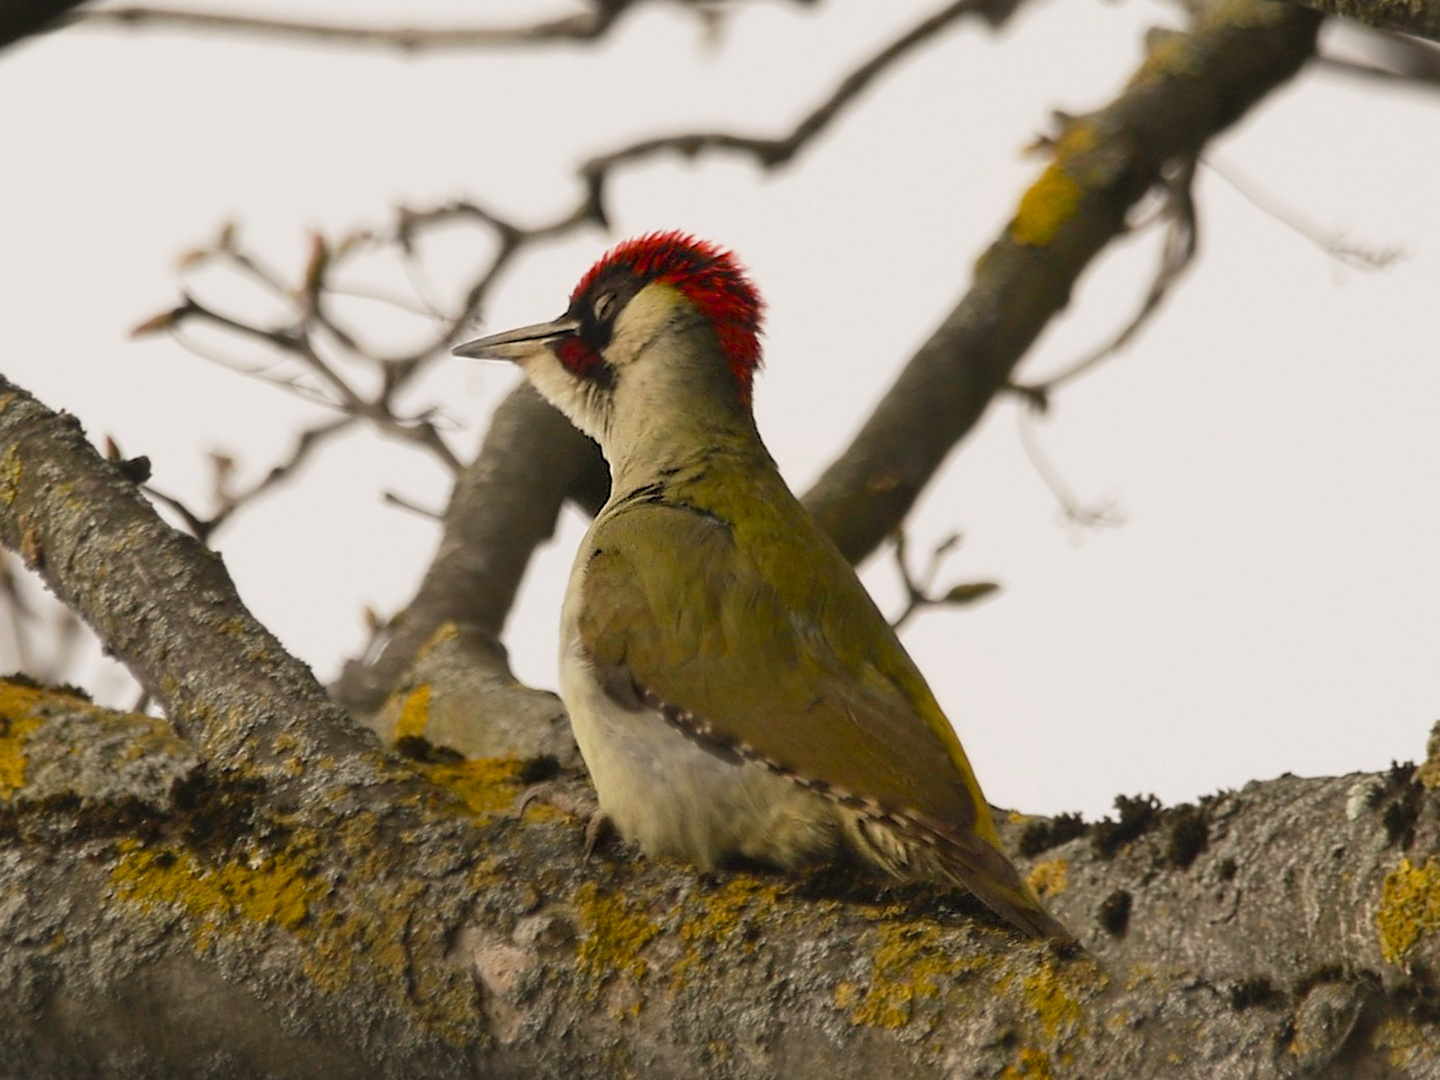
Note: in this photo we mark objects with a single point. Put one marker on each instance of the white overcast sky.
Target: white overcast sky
(1272, 602)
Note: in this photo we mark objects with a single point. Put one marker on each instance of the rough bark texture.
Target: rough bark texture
(1418, 17)
(170, 925)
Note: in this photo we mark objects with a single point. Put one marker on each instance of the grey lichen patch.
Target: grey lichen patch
(55, 745)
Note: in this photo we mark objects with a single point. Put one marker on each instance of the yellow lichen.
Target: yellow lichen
(614, 933)
(23, 709)
(1049, 878)
(488, 785)
(1056, 1009)
(724, 913)
(1033, 1064)
(273, 891)
(379, 939)
(13, 735)
(910, 963)
(414, 714)
(12, 468)
(1404, 1044)
(1053, 199)
(1409, 908)
(1049, 204)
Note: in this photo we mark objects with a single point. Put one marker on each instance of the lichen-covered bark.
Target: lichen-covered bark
(1419, 17)
(83, 526)
(251, 888)
(179, 929)
(193, 907)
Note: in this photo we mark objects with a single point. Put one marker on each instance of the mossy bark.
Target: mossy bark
(175, 925)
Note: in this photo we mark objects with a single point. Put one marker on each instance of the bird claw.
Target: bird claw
(569, 796)
(574, 799)
(597, 830)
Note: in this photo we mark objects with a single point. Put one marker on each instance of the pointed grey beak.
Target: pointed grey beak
(516, 344)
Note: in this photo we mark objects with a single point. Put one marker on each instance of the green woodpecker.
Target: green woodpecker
(734, 690)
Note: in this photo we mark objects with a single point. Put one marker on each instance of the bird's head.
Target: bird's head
(661, 325)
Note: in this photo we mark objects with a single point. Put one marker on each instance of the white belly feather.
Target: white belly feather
(668, 793)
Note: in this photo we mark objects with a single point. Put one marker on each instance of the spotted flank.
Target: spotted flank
(901, 843)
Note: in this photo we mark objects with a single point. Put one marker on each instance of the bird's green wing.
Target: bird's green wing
(814, 682)
(810, 683)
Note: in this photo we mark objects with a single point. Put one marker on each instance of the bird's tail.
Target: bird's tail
(912, 849)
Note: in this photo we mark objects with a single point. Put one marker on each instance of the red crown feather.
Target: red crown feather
(709, 277)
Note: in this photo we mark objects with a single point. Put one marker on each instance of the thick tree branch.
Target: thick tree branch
(1279, 932)
(1418, 17)
(172, 616)
(1191, 87)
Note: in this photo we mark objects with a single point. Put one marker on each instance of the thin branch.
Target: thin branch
(259, 372)
(391, 498)
(918, 595)
(1078, 515)
(586, 26)
(1330, 241)
(228, 502)
(773, 152)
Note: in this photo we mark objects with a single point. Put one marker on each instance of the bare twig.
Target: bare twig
(1079, 516)
(295, 337)
(773, 152)
(585, 26)
(1330, 241)
(390, 498)
(227, 501)
(917, 587)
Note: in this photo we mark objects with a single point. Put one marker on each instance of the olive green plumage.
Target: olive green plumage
(771, 643)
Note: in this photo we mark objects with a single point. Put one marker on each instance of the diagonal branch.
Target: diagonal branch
(158, 601)
(1191, 87)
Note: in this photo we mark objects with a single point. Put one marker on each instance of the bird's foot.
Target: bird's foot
(597, 830)
(574, 797)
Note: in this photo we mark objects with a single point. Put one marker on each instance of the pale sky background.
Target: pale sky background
(1272, 602)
